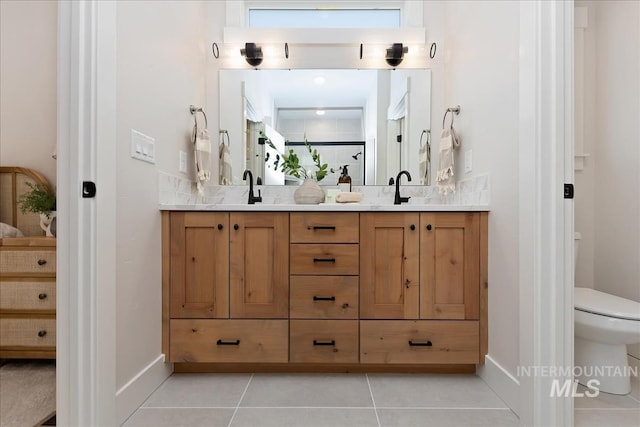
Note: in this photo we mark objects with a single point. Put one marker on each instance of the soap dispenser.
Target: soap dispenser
(344, 181)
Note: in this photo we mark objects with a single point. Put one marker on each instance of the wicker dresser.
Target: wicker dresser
(28, 297)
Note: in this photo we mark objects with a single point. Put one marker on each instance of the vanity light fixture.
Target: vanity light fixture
(252, 54)
(395, 54)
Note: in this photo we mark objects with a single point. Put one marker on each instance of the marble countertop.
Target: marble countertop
(329, 207)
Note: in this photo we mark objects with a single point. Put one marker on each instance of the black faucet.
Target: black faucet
(398, 200)
(391, 181)
(253, 199)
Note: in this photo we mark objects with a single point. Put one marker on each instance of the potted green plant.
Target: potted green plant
(41, 199)
(289, 163)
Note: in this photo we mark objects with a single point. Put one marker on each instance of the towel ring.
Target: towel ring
(454, 111)
(194, 110)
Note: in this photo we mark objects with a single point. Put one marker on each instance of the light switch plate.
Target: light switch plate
(143, 147)
(182, 167)
(468, 161)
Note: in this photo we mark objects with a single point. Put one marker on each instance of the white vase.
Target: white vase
(46, 222)
(309, 193)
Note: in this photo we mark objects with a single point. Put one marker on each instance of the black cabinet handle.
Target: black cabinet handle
(324, 227)
(42, 261)
(412, 227)
(329, 343)
(42, 333)
(220, 342)
(220, 227)
(236, 226)
(332, 260)
(429, 227)
(315, 298)
(42, 296)
(420, 344)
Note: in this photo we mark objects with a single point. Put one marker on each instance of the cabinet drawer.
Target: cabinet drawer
(324, 227)
(28, 295)
(27, 261)
(319, 259)
(229, 341)
(323, 297)
(406, 341)
(27, 332)
(324, 341)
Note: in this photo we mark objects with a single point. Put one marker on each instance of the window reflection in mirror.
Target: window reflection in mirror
(381, 113)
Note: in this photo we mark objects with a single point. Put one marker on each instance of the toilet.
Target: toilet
(604, 325)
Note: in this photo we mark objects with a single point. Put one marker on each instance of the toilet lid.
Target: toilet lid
(597, 302)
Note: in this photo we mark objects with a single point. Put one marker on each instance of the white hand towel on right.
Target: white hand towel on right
(444, 177)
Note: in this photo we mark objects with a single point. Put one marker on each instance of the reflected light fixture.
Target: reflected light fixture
(320, 112)
(395, 54)
(252, 54)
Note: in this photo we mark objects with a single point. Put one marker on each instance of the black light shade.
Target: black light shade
(395, 54)
(252, 54)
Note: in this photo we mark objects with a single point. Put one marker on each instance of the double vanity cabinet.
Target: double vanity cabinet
(327, 290)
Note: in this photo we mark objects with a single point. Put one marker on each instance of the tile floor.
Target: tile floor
(606, 410)
(335, 400)
(332, 400)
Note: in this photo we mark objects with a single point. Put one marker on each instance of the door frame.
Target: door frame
(546, 218)
(86, 277)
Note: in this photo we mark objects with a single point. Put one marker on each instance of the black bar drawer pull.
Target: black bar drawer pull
(331, 260)
(329, 343)
(420, 344)
(324, 227)
(316, 298)
(220, 342)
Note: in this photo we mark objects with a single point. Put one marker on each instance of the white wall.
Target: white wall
(608, 200)
(481, 75)
(28, 85)
(161, 51)
(607, 205)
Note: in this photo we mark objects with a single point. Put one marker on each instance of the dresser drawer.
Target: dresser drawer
(323, 297)
(407, 341)
(27, 332)
(229, 341)
(324, 341)
(321, 259)
(28, 295)
(324, 227)
(27, 261)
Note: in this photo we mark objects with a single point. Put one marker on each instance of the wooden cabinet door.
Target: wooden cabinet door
(259, 265)
(389, 265)
(449, 265)
(199, 265)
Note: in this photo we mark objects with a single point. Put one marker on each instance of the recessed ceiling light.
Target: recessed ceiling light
(320, 112)
(319, 80)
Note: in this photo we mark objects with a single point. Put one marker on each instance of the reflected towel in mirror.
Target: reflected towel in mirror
(225, 165)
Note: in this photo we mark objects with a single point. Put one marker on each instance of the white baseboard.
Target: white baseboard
(139, 388)
(505, 385)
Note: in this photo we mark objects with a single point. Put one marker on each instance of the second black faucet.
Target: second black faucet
(253, 199)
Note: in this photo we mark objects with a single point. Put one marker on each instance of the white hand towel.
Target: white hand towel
(348, 197)
(444, 178)
(202, 154)
(423, 161)
(225, 165)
